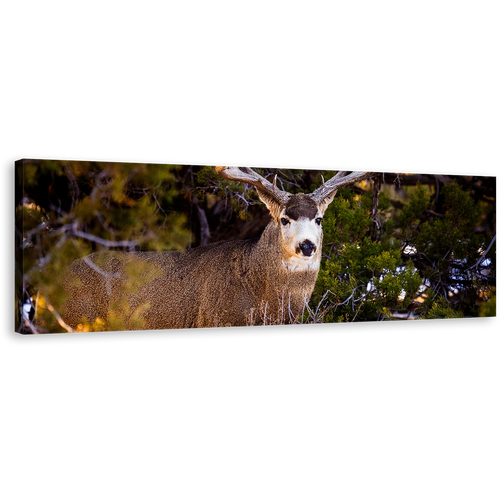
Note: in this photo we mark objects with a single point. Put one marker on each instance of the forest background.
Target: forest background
(398, 246)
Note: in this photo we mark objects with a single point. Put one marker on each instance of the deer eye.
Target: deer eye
(318, 221)
(285, 221)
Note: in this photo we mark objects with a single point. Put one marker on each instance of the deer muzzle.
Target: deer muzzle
(307, 248)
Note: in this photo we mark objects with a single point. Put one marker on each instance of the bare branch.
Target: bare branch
(291, 316)
(31, 326)
(98, 270)
(73, 184)
(107, 243)
(397, 181)
(485, 253)
(35, 230)
(244, 200)
(285, 176)
(357, 312)
(159, 207)
(58, 318)
(58, 210)
(202, 218)
(111, 244)
(65, 228)
(376, 226)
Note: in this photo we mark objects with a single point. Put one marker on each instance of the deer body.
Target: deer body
(234, 283)
(244, 282)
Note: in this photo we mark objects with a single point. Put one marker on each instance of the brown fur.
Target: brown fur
(301, 205)
(231, 283)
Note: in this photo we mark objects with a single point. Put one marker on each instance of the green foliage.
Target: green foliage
(441, 309)
(361, 276)
(70, 209)
(411, 214)
(34, 172)
(346, 220)
(488, 308)
(417, 264)
(237, 195)
(454, 233)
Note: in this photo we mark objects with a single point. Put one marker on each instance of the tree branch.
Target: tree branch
(376, 226)
(107, 243)
(202, 218)
(484, 254)
(106, 275)
(59, 319)
(31, 326)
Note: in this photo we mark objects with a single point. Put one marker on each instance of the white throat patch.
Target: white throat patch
(300, 264)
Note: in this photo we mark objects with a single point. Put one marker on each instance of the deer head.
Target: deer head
(298, 217)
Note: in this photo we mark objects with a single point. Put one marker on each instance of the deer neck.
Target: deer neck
(281, 291)
(271, 254)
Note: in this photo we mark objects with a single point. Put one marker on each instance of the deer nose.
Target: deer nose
(307, 247)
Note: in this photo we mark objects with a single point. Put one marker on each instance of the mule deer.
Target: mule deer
(266, 279)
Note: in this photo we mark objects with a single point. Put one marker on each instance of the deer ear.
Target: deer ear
(323, 205)
(271, 203)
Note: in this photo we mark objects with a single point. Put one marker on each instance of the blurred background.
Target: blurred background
(397, 246)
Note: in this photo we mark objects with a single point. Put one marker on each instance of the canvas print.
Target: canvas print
(103, 246)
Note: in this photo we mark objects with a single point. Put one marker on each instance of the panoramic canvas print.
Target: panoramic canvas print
(103, 246)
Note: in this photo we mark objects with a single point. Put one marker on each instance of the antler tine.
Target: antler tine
(341, 179)
(247, 175)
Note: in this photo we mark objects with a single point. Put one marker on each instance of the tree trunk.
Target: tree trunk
(377, 182)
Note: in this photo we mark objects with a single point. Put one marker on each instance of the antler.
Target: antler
(246, 174)
(340, 179)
